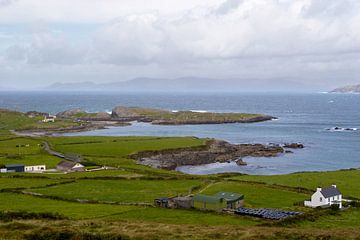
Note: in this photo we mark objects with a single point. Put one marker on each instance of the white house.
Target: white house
(324, 197)
(37, 168)
(50, 118)
(67, 166)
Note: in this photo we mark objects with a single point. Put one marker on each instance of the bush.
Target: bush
(10, 215)
(47, 234)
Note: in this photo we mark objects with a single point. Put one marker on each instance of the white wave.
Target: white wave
(174, 111)
(341, 129)
(199, 111)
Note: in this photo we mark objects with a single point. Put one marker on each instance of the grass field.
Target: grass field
(259, 195)
(12, 120)
(347, 180)
(127, 191)
(133, 183)
(120, 147)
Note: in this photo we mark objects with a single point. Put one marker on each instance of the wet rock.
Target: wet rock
(241, 162)
(293, 145)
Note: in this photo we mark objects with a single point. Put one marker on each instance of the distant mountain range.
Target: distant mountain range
(185, 84)
(347, 89)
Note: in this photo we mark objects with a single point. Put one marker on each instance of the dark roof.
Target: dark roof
(207, 199)
(330, 192)
(230, 196)
(14, 165)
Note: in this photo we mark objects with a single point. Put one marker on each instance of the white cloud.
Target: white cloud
(313, 39)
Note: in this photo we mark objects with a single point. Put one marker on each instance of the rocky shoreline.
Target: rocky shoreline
(214, 151)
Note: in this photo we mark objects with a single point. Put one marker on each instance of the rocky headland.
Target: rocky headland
(213, 151)
(347, 89)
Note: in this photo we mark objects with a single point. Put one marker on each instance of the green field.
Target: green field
(12, 120)
(258, 196)
(126, 191)
(346, 180)
(112, 195)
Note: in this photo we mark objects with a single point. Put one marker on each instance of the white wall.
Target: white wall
(36, 168)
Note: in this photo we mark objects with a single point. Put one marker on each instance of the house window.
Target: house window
(320, 199)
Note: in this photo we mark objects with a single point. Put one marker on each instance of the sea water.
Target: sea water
(306, 118)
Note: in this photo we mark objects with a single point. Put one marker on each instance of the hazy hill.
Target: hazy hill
(347, 89)
(185, 84)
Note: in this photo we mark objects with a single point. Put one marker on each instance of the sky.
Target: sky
(315, 43)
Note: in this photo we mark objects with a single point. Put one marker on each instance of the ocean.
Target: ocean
(304, 118)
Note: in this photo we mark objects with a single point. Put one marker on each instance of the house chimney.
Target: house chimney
(334, 185)
(318, 189)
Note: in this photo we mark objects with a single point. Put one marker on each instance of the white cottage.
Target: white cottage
(37, 168)
(50, 118)
(324, 197)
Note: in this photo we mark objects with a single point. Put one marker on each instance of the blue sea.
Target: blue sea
(302, 118)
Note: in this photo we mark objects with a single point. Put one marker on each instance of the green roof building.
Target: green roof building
(218, 201)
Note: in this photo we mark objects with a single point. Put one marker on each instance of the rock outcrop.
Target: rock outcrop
(214, 151)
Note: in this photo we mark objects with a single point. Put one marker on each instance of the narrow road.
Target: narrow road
(52, 152)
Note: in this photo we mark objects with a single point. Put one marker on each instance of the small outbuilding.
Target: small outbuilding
(67, 166)
(325, 197)
(15, 167)
(181, 202)
(161, 202)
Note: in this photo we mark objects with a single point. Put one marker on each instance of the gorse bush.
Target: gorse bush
(10, 215)
(71, 235)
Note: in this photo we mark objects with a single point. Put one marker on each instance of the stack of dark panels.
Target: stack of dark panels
(267, 213)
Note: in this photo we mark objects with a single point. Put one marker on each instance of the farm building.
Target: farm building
(175, 202)
(15, 167)
(218, 201)
(66, 166)
(181, 202)
(37, 168)
(233, 200)
(325, 197)
(206, 202)
(161, 202)
(49, 118)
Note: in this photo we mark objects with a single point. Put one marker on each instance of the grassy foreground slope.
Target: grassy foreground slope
(109, 204)
(347, 180)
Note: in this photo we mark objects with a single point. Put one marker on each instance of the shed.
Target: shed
(161, 202)
(233, 200)
(181, 202)
(15, 167)
(206, 202)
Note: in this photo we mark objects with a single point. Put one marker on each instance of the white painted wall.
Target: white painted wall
(317, 200)
(36, 168)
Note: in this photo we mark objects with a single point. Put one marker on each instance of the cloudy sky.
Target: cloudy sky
(313, 42)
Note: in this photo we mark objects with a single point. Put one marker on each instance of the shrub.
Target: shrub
(49, 234)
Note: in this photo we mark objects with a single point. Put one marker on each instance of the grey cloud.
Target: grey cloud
(227, 6)
(5, 3)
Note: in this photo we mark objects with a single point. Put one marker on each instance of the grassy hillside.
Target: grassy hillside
(107, 202)
(12, 120)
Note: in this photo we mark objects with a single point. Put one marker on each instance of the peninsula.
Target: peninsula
(76, 120)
